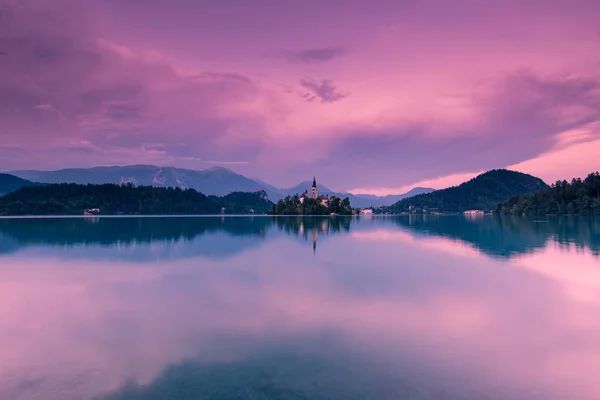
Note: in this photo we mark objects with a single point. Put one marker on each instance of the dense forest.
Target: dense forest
(480, 193)
(111, 199)
(291, 205)
(580, 197)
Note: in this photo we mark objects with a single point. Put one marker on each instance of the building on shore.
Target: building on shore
(474, 212)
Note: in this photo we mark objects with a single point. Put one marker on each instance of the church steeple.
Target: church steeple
(315, 193)
(314, 182)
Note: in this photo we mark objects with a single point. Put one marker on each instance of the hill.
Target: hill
(10, 183)
(580, 197)
(480, 193)
(73, 199)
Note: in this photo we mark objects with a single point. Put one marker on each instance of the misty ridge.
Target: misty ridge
(217, 181)
(155, 190)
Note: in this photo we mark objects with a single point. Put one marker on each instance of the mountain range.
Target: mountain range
(216, 181)
(10, 183)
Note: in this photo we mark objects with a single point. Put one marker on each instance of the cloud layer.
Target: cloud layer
(398, 94)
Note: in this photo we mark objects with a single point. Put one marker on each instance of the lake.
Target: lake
(409, 307)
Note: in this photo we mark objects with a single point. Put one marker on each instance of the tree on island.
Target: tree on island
(291, 205)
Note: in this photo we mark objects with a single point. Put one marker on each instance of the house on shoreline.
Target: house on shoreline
(474, 212)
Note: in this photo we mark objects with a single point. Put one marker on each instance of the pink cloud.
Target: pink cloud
(435, 90)
(435, 183)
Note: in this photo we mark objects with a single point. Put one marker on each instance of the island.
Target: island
(313, 204)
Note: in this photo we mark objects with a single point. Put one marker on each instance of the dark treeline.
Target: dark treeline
(291, 205)
(581, 197)
(73, 199)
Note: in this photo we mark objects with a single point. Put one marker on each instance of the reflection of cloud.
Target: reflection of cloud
(136, 332)
(552, 261)
(576, 270)
(455, 247)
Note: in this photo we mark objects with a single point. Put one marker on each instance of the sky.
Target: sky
(370, 96)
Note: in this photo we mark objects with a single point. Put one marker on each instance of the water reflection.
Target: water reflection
(386, 308)
(506, 237)
(136, 238)
(107, 231)
(501, 237)
(304, 227)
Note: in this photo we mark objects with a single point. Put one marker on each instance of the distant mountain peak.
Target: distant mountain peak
(10, 183)
(217, 180)
(219, 168)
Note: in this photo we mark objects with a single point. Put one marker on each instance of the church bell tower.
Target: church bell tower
(315, 193)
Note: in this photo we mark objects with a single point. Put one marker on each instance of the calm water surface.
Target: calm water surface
(288, 308)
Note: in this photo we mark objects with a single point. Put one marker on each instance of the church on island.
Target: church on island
(323, 200)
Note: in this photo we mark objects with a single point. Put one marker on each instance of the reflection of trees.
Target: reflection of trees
(19, 232)
(107, 231)
(496, 236)
(300, 225)
(508, 236)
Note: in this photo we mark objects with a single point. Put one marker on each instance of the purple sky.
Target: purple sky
(372, 96)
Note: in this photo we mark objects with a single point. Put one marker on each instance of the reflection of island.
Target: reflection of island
(303, 226)
(505, 237)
